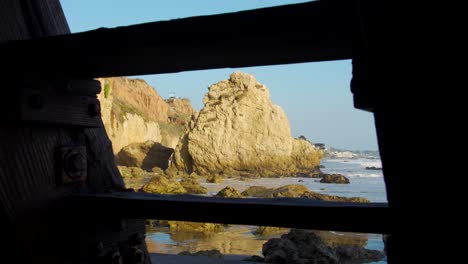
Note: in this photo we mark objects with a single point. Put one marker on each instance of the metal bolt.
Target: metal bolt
(75, 165)
(36, 101)
(94, 109)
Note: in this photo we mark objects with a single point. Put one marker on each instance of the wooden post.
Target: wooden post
(32, 155)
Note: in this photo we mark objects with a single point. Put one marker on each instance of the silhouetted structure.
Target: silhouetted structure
(62, 197)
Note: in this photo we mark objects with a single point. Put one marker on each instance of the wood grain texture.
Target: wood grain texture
(314, 31)
(300, 212)
(29, 182)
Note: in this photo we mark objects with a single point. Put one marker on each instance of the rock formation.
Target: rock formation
(138, 97)
(297, 191)
(229, 192)
(334, 178)
(133, 112)
(192, 186)
(240, 132)
(180, 110)
(163, 185)
(303, 247)
(145, 155)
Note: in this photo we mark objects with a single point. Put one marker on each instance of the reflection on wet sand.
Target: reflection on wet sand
(234, 240)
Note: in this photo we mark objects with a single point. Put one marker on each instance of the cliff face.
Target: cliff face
(180, 110)
(241, 132)
(139, 97)
(133, 112)
(124, 128)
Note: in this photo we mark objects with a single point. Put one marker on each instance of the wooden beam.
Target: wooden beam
(307, 32)
(284, 212)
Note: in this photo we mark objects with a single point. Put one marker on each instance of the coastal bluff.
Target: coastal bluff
(240, 132)
(133, 112)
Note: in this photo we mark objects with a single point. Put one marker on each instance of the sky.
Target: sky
(315, 96)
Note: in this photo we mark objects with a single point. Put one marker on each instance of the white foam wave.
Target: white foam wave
(364, 175)
(362, 162)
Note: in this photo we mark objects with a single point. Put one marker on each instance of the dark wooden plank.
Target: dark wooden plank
(57, 109)
(314, 31)
(28, 164)
(286, 212)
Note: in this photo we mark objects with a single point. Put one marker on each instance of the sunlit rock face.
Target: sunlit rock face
(240, 132)
(133, 112)
(126, 116)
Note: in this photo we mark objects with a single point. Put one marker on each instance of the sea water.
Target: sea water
(363, 183)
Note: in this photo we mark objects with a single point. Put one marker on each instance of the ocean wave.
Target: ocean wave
(362, 162)
(364, 175)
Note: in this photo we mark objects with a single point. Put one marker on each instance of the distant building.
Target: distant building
(172, 95)
(320, 146)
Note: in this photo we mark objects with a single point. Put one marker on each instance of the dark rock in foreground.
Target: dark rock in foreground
(298, 247)
(334, 178)
(304, 247)
(355, 254)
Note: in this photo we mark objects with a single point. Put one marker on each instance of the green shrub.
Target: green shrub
(106, 88)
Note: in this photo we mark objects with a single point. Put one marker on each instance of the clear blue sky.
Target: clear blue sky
(315, 96)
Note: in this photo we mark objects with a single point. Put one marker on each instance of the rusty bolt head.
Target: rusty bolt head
(94, 109)
(75, 165)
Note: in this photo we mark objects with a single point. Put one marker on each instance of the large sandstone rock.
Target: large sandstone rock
(145, 155)
(304, 247)
(242, 133)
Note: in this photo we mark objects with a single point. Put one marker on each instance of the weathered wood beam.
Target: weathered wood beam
(307, 32)
(283, 212)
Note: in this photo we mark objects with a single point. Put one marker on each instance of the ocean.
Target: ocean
(239, 240)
